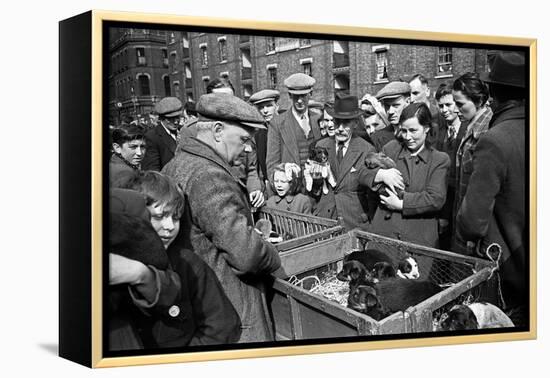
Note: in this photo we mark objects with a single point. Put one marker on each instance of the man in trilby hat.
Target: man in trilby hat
(493, 209)
(349, 198)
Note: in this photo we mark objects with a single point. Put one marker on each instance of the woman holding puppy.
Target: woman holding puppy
(421, 173)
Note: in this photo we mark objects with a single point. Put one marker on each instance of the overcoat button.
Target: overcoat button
(174, 311)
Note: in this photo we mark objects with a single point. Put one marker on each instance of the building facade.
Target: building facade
(181, 64)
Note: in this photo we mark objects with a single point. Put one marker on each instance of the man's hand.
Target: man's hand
(124, 270)
(257, 198)
(391, 177)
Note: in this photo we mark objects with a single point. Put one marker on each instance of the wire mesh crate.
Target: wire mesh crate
(300, 314)
(299, 229)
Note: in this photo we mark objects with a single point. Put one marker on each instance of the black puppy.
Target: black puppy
(356, 274)
(396, 294)
(375, 160)
(383, 270)
(369, 258)
(364, 299)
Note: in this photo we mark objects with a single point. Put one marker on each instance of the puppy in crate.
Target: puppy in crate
(317, 172)
(375, 160)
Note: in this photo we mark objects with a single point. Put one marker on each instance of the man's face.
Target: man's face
(394, 107)
(299, 102)
(172, 123)
(419, 92)
(329, 124)
(132, 151)
(267, 109)
(234, 140)
(343, 130)
(448, 108)
(164, 222)
(372, 123)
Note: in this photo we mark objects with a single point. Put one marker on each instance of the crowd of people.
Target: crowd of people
(445, 172)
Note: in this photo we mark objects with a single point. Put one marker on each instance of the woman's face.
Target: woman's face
(281, 182)
(413, 134)
(164, 223)
(466, 108)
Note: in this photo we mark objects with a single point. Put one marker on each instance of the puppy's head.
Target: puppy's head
(318, 154)
(383, 270)
(352, 271)
(265, 227)
(364, 299)
(460, 318)
(408, 268)
(378, 160)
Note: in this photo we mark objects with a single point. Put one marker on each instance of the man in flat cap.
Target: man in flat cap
(290, 135)
(493, 209)
(217, 223)
(395, 96)
(266, 103)
(162, 140)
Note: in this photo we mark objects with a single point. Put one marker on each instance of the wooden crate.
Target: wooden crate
(300, 314)
(302, 229)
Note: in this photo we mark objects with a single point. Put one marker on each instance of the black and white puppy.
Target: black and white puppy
(475, 316)
(408, 268)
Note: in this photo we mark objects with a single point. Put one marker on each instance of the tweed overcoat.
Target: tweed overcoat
(493, 209)
(218, 226)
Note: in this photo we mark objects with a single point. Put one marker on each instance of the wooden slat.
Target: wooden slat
(308, 239)
(296, 324)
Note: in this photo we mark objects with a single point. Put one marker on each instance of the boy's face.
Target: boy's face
(164, 222)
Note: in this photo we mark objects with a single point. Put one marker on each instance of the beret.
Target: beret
(264, 95)
(394, 90)
(299, 83)
(169, 107)
(226, 107)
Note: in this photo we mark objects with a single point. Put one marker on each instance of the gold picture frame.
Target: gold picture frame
(83, 79)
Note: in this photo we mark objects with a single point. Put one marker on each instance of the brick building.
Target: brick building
(183, 63)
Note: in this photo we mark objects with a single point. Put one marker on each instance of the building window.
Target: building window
(445, 60)
(271, 46)
(143, 81)
(247, 91)
(341, 84)
(272, 77)
(204, 56)
(306, 67)
(176, 89)
(172, 38)
(305, 42)
(340, 54)
(222, 45)
(381, 65)
(165, 57)
(140, 54)
(167, 91)
(173, 60)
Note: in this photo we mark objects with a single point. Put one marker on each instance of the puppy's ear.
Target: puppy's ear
(354, 273)
(371, 300)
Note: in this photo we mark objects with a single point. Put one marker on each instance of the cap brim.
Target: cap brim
(173, 114)
(390, 97)
(353, 115)
(485, 76)
(299, 91)
(254, 125)
(264, 100)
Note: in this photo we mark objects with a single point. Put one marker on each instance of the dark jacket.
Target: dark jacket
(494, 207)
(219, 227)
(383, 136)
(282, 146)
(261, 153)
(348, 199)
(425, 178)
(160, 149)
(119, 170)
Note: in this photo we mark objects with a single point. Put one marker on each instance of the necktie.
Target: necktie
(340, 152)
(305, 125)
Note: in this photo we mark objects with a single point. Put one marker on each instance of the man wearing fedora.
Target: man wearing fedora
(162, 140)
(218, 222)
(290, 134)
(395, 96)
(493, 209)
(266, 103)
(350, 198)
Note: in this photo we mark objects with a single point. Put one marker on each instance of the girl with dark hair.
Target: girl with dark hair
(421, 173)
(470, 95)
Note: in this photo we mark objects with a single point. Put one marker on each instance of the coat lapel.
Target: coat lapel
(351, 156)
(166, 139)
(287, 134)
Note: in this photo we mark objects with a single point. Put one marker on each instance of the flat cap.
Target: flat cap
(169, 107)
(264, 95)
(299, 83)
(226, 107)
(394, 90)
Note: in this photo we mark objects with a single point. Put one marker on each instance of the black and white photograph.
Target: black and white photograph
(271, 189)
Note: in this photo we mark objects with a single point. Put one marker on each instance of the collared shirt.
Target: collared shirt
(303, 121)
(345, 148)
(168, 131)
(452, 130)
(419, 150)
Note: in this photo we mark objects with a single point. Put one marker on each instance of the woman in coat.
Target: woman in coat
(420, 178)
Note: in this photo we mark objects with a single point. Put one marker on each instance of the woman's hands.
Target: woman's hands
(392, 201)
(391, 177)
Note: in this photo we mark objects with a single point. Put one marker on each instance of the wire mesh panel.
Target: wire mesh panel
(299, 229)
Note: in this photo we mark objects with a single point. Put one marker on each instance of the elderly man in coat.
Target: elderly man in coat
(346, 153)
(218, 222)
(494, 207)
(290, 134)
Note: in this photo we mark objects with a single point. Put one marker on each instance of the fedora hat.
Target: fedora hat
(507, 68)
(346, 107)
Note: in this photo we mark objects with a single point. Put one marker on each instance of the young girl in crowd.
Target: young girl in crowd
(286, 180)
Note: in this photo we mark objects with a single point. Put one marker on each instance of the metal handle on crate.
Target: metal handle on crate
(496, 260)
